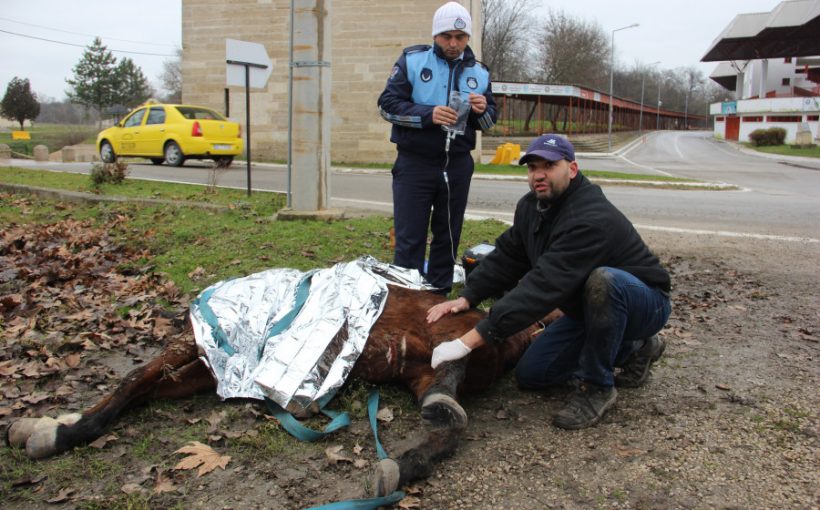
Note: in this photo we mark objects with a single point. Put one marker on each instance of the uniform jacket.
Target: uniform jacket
(422, 79)
(545, 258)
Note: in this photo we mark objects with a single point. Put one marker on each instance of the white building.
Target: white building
(769, 61)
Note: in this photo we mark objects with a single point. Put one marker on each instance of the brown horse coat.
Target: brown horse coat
(398, 350)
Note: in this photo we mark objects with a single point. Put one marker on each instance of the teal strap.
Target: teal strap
(362, 504)
(210, 317)
(301, 432)
(302, 293)
(372, 410)
(371, 503)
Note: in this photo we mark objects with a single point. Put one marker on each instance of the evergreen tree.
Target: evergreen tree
(132, 88)
(94, 79)
(100, 82)
(19, 103)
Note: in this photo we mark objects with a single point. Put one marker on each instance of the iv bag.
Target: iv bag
(459, 103)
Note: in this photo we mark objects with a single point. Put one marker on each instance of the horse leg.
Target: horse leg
(439, 404)
(416, 462)
(174, 367)
(447, 419)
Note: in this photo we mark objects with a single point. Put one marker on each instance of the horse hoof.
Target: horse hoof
(386, 478)
(42, 441)
(21, 430)
(443, 411)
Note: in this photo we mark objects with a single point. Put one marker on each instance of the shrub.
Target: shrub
(777, 136)
(770, 136)
(108, 173)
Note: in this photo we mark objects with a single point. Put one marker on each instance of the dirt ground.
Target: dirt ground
(729, 419)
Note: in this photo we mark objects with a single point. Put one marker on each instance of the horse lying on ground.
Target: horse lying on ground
(398, 350)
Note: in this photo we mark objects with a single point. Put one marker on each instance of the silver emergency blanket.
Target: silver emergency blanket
(256, 345)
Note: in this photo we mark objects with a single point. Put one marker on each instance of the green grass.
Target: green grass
(601, 174)
(229, 243)
(788, 150)
(53, 136)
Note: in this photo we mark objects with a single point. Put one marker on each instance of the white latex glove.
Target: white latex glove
(449, 351)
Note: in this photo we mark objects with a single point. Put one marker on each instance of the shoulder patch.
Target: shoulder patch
(394, 72)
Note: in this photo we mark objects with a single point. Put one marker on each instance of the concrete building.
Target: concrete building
(770, 61)
(366, 39)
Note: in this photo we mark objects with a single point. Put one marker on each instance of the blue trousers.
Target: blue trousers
(620, 311)
(422, 198)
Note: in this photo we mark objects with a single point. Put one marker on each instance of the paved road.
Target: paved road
(780, 200)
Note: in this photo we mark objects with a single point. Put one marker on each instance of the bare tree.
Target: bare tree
(171, 78)
(505, 38)
(571, 50)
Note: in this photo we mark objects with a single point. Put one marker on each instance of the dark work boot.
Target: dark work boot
(636, 368)
(585, 406)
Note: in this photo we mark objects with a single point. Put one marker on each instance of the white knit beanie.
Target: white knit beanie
(452, 16)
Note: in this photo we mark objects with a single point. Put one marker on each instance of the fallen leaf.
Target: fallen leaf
(625, 451)
(410, 502)
(357, 449)
(131, 488)
(197, 273)
(334, 456)
(165, 484)
(35, 398)
(723, 387)
(215, 418)
(61, 496)
(360, 463)
(72, 360)
(385, 414)
(202, 456)
(101, 441)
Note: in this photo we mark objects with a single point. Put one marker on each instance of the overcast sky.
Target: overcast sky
(675, 32)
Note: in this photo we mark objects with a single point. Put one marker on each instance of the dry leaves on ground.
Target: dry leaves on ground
(201, 456)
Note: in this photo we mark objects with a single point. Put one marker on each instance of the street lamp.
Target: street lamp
(658, 110)
(612, 76)
(643, 80)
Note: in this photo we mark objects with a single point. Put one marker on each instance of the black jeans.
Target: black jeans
(620, 311)
(421, 198)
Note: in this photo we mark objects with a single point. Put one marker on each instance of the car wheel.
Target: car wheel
(107, 153)
(173, 154)
(157, 161)
(223, 161)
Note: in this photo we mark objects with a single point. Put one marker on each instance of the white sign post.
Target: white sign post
(248, 65)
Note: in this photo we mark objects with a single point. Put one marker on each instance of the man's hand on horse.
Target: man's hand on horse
(440, 310)
(449, 351)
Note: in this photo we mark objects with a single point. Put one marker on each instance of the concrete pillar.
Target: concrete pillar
(5, 153)
(764, 77)
(739, 85)
(69, 154)
(40, 153)
(311, 105)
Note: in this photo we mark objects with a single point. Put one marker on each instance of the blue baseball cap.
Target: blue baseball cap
(550, 147)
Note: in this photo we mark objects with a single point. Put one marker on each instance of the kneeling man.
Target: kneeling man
(569, 248)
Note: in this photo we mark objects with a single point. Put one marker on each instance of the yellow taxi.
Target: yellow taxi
(172, 133)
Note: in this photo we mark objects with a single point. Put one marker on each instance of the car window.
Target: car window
(196, 113)
(135, 119)
(156, 115)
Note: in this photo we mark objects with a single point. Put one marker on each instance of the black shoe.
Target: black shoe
(585, 406)
(636, 369)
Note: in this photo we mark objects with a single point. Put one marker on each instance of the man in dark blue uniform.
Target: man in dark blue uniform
(434, 166)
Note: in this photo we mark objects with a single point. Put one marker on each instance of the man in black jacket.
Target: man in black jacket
(570, 249)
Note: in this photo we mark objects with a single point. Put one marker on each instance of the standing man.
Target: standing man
(432, 173)
(569, 248)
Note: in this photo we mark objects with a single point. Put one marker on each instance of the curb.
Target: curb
(801, 161)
